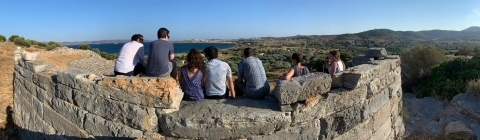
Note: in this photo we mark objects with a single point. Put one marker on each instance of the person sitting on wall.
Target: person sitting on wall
(191, 77)
(336, 65)
(130, 60)
(160, 56)
(252, 80)
(217, 75)
(297, 68)
(327, 64)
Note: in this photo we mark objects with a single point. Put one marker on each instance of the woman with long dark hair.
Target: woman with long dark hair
(191, 77)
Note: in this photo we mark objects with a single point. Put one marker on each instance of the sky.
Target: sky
(88, 20)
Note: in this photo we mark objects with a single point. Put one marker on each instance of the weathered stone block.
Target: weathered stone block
(64, 92)
(135, 116)
(69, 111)
(36, 66)
(38, 106)
(361, 59)
(392, 57)
(285, 108)
(457, 130)
(309, 131)
(302, 88)
(45, 80)
(75, 78)
(383, 132)
(375, 52)
(467, 104)
(102, 129)
(321, 106)
(62, 125)
(26, 74)
(225, 119)
(30, 56)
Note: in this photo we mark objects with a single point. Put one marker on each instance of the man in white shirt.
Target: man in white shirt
(131, 59)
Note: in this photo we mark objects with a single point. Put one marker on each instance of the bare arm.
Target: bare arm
(230, 85)
(288, 75)
(179, 75)
(171, 57)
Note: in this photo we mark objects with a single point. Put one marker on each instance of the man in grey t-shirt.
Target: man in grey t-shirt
(160, 55)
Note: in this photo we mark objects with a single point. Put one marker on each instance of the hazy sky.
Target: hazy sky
(79, 20)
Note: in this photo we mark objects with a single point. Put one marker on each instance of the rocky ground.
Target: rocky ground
(429, 117)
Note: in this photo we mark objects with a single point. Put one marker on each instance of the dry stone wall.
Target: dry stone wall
(361, 103)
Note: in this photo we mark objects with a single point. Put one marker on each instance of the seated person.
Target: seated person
(131, 59)
(217, 75)
(337, 65)
(252, 80)
(160, 56)
(191, 77)
(327, 64)
(297, 68)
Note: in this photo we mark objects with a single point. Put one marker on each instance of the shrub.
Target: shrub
(22, 42)
(449, 78)
(96, 50)
(464, 50)
(52, 45)
(473, 87)
(12, 38)
(84, 47)
(3, 38)
(419, 61)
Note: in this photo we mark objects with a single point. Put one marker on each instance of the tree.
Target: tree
(464, 50)
(2, 38)
(476, 52)
(22, 42)
(12, 38)
(418, 62)
(52, 45)
(84, 47)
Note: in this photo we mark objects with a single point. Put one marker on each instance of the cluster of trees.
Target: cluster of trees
(21, 41)
(429, 73)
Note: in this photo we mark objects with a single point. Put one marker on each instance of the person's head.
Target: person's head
(247, 52)
(211, 52)
(334, 55)
(327, 59)
(138, 38)
(195, 60)
(296, 58)
(163, 33)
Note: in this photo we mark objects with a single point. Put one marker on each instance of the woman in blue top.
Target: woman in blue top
(297, 68)
(191, 77)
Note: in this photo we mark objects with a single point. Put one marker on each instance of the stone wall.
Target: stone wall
(362, 103)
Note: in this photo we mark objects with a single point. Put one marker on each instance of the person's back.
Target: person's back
(300, 70)
(217, 75)
(253, 73)
(159, 56)
(191, 85)
(130, 60)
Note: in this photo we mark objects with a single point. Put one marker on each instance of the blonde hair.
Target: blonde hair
(335, 54)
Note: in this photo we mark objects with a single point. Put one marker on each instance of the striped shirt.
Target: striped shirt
(252, 71)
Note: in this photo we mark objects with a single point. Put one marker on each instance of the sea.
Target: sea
(177, 47)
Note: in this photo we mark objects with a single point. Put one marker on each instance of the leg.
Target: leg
(139, 68)
(126, 74)
(174, 70)
(241, 88)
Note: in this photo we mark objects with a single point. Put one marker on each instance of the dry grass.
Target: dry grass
(60, 60)
(6, 86)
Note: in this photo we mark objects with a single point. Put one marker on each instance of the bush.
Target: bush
(464, 50)
(84, 47)
(473, 87)
(12, 38)
(52, 45)
(22, 42)
(96, 50)
(3, 38)
(449, 78)
(419, 61)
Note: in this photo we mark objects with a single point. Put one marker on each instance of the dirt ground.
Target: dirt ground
(6, 86)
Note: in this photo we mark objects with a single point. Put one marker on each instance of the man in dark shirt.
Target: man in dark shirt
(160, 55)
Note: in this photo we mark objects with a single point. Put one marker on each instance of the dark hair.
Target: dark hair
(195, 60)
(163, 33)
(248, 52)
(335, 54)
(211, 52)
(135, 37)
(297, 57)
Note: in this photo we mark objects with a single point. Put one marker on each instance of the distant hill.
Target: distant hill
(472, 29)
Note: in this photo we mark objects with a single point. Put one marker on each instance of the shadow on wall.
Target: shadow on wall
(30, 135)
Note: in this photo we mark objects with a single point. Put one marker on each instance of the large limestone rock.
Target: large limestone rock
(302, 88)
(225, 119)
(422, 115)
(375, 52)
(468, 105)
(458, 131)
(30, 56)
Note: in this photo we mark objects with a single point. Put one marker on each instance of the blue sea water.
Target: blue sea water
(177, 47)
